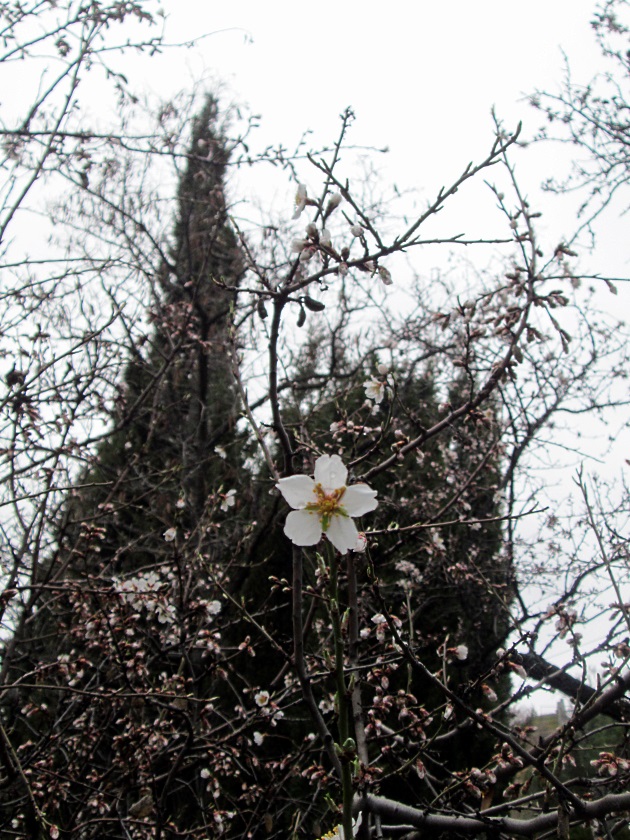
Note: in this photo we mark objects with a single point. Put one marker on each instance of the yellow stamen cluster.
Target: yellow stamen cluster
(331, 835)
(327, 506)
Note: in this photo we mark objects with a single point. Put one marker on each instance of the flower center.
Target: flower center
(327, 505)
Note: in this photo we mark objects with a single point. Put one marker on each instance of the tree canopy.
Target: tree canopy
(279, 556)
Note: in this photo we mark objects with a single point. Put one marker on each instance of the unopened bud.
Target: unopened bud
(314, 305)
(385, 276)
(334, 202)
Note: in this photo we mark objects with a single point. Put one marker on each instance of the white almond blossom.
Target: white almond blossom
(300, 200)
(375, 390)
(261, 698)
(325, 505)
(229, 500)
(170, 534)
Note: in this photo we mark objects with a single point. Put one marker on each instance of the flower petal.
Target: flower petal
(330, 472)
(359, 499)
(298, 490)
(342, 532)
(303, 527)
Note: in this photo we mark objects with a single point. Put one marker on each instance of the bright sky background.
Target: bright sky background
(421, 77)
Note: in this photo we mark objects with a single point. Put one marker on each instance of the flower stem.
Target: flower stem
(342, 698)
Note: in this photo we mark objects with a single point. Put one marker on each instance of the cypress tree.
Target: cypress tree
(137, 672)
(132, 593)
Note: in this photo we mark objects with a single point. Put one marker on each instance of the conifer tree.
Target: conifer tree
(162, 475)
(166, 605)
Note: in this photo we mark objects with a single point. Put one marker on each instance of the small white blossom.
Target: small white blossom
(229, 500)
(276, 715)
(461, 652)
(375, 390)
(261, 698)
(220, 451)
(383, 369)
(300, 200)
(298, 245)
(205, 773)
(258, 738)
(180, 504)
(214, 607)
(170, 534)
(490, 693)
(356, 230)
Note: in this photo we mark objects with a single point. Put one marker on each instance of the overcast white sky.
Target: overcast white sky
(421, 77)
